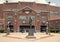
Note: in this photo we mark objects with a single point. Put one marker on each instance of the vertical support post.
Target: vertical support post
(8, 29)
(49, 17)
(47, 28)
(15, 27)
(15, 11)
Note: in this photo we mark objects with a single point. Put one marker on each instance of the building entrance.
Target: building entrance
(11, 28)
(26, 28)
(43, 28)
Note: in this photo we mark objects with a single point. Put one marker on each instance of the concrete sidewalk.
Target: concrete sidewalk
(21, 37)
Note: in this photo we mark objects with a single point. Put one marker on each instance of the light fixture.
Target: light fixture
(15, 20)
(27, 12)
(1, 23)
(46, 22)
(23, 21)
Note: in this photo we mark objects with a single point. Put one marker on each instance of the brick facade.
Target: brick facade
(35, 9)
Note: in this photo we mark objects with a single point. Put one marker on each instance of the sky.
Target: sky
(53, 2)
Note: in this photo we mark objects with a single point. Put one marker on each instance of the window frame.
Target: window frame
(21, 18)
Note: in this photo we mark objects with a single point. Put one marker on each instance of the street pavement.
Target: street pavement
(21, 37)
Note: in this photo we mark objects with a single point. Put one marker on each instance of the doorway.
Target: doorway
(26, 28)
(43, 29)
(11, 28)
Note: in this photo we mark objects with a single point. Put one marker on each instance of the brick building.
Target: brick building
(17, 14)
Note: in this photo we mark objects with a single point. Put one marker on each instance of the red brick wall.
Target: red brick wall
(24, 5)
